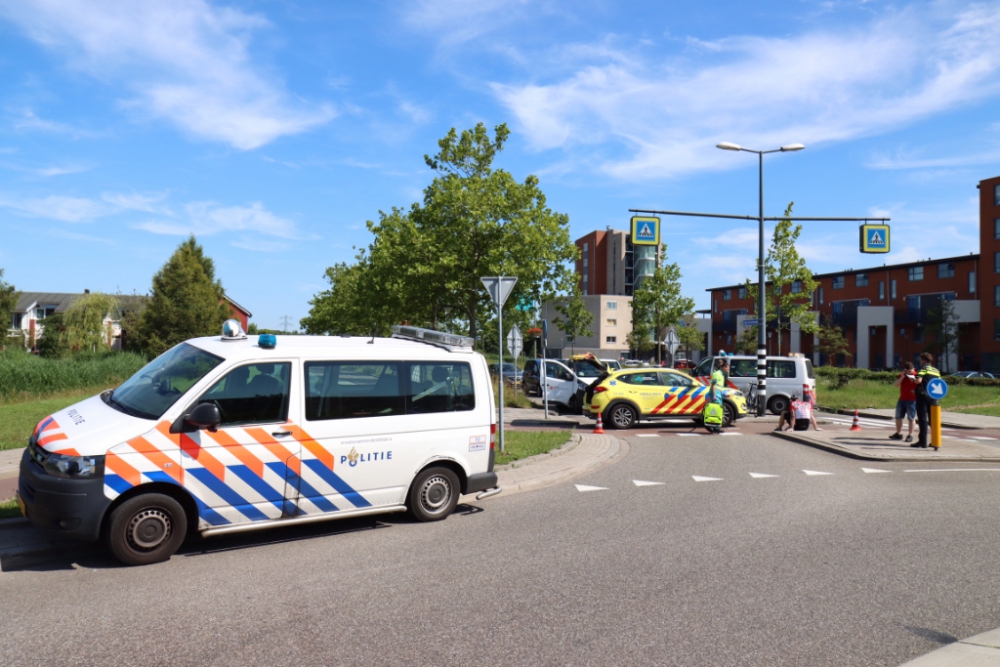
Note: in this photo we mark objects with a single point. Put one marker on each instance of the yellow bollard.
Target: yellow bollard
(935, 414)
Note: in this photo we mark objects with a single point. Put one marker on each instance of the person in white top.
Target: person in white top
(799, 415)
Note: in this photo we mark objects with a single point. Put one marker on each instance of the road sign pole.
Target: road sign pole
(499, 288)
(500, 371)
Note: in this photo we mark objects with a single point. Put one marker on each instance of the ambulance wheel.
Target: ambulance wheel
(730, 415)
(146, 529)
(620, 416)
(433, 495)
(778, 404)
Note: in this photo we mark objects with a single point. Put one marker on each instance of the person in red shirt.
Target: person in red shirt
(907, 403)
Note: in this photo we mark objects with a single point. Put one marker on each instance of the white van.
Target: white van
(785, 376)
(226, 434)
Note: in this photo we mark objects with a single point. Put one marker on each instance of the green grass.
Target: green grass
(512, 397)
(522, 444)
(25, 377)
(861, 394)
(9, 509)
(18, 419)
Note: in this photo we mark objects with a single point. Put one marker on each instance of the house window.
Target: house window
(838, 282)
(996, 195)
(996, 229)
(821, 296)
(996, 296)
(892, 291)
(729, 339)
(41, 312)
(612, 305)
(727, 294)
(611, 339)
(915, 273)
(715, 305)
(796, 286)
(996, 329)
(611, 322)
(742, 292)
(861, 280)
(946, 270)
(15, 320)
(972, 282)
(918, 334)
(996, 262)
(881, 290)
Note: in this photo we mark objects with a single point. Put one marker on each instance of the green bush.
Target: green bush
(25, 376)
(842, 376)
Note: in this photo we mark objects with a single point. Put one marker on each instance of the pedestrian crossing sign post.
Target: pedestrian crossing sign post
(645, 231)
(874, 238)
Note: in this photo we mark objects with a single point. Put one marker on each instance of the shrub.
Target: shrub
(24, 376)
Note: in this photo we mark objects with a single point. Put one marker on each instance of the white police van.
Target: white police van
(226, 434)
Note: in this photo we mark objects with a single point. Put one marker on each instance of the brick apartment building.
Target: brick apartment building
(886, 311)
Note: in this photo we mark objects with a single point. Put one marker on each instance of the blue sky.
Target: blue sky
(274, 130)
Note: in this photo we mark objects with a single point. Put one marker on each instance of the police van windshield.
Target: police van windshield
(150, 392)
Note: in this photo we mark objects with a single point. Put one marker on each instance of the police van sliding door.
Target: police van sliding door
(382, 420)
(248, 470)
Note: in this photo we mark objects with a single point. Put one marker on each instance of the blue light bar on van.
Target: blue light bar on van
(267, 341)
(431, 336)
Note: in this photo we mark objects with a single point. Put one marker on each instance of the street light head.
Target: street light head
(792, 147)
(727, 146)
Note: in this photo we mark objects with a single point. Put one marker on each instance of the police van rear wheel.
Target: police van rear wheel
(777, 405)
(434, 494)
(146, 529)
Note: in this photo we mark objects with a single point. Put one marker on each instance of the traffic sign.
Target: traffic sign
(750, 323)
(515, 341)
(874, 238)
(645, 231)
(937, 388)
(672, 342)
(499, 288)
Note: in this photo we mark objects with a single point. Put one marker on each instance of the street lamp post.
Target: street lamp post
(761, 285)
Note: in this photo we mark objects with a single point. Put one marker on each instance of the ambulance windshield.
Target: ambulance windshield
(151, 391)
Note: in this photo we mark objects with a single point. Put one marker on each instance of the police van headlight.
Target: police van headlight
(61, 465)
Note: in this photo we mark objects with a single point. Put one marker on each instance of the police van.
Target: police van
(226, 434)
(786, 376)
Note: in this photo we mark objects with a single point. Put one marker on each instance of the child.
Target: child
(907, 403)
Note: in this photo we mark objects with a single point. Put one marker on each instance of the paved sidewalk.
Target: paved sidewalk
(951, 419)
(583, 454)
(982, 650)
(10, 461)
(874, 445)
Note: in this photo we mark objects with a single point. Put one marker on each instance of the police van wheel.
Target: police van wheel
(434, 494)
(777, 405)
(146, 529)
(621, 416)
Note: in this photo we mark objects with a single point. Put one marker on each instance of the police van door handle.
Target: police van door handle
(280, 434)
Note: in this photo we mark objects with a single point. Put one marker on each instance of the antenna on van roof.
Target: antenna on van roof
(374, 331)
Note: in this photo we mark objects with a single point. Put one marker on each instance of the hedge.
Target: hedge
(842, 376)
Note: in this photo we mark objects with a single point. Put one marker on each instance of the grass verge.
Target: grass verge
(522, 444)
(18, 419)
(861, 394)
(513, 397)
(9, 509)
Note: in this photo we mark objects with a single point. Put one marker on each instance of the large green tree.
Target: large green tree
(8, 302)
(84, 328)
(425, 263)
(186, 301)
(658, 304)
(784, 269)
(575, 319)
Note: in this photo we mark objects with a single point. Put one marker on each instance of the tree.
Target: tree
(832, 341)
(658, 304)
(84, 328)
(186, 301)
(576, 319)
(53, 344)
(942, 325)
(8, 302)
(691, 339)
(785, 268)
(425, 263)
(130, 308)
(746, 342)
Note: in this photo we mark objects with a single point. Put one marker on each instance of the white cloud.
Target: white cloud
(458, 22)
(263, 245)
(62, 171)
(29, 120)
(184, 60)
(137, 202)
(205, 218)
(909, 161)
(55, 207)
(666, 114)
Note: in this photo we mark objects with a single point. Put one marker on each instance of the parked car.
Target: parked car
(972, 374)
(625, 397)
(785, 376)
(561, 382)
(683, 364)
(511, 373)
(612, 364)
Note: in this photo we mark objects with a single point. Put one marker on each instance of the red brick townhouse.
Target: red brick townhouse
(885, 311)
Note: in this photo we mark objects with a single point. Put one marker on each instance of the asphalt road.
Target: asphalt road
(850, 568)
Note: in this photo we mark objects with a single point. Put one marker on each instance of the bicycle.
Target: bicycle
(752, 397)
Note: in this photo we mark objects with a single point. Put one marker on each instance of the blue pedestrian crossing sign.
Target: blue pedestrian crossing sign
(645, 231)
(874, 238)
(937, 388)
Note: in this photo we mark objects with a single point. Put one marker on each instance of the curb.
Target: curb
(982, 650)
(872, 415)
(850, 453)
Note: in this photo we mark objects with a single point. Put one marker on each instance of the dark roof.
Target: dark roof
(850, 272)
(60, 300)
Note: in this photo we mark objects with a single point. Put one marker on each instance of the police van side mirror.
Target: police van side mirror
(204, 415)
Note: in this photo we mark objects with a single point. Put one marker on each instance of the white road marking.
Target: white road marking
(639, 482)
(706, 479)
(850, 421)
(647, 435)
(730, 433)
(583, 488)
(689, 435)
(958, 470)
(874, 470)
(980, 437)
(816, 472)
(760, 475)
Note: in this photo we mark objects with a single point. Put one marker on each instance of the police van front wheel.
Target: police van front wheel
(146, 529)
(434, 494)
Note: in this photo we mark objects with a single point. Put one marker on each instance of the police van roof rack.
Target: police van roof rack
(450, 342)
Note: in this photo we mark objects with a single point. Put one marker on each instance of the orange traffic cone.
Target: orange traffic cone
(856, 426)
(599, 429)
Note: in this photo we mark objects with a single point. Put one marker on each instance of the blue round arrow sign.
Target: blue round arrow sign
(937, 388)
